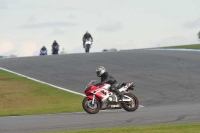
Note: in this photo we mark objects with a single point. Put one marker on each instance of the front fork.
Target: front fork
(93, 98)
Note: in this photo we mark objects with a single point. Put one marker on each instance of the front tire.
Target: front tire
(132, 105)
(87, 49)
(89, 108)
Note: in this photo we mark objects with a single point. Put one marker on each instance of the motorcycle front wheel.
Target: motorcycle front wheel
(132, 105)
(87, 49)
(89, 107)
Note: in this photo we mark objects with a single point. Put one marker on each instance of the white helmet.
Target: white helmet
(100, 70)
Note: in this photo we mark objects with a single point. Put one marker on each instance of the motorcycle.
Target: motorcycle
(55, 49)
(88, 43)
(43, 52)
(101, 98)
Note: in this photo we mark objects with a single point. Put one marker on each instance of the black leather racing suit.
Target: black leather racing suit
(55, 51)
(86, 36)
(109, 79)
(54, 44)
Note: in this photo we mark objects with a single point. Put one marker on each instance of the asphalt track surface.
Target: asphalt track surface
(167, 84)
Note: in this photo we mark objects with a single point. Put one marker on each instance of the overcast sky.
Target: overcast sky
(27, 25)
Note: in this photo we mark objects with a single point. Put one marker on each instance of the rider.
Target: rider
(109, 79)
(43, 49)
(53, 45)
(87, 35)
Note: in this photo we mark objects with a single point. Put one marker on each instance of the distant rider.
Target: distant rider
(53, 46)
(54, 43)
(109, 79)
(43, 49)
(87, 35)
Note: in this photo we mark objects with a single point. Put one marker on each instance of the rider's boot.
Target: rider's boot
(120, 94)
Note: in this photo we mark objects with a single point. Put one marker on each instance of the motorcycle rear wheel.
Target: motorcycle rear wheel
(89, 108)
(132, 105)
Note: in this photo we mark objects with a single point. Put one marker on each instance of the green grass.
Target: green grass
(21, 96)
(192, 46)
(177, 128)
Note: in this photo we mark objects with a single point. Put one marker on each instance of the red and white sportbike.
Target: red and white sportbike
(101, 98)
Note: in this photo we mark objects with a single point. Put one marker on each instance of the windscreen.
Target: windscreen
(90, 84)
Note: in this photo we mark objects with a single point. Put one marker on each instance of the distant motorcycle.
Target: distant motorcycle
(43, 52)
(55, 49)
(101, 98)
(88, 43)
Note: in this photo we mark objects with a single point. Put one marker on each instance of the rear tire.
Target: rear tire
(132, 105)
(89, 108)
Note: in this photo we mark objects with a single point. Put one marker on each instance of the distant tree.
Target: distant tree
(199, 34)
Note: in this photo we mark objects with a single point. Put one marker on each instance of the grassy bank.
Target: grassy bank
(21, 96)
(181, 128)
(192, 46)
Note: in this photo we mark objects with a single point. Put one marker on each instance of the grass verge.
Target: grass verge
(177, 128)
(21, 96)
(192, 46)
